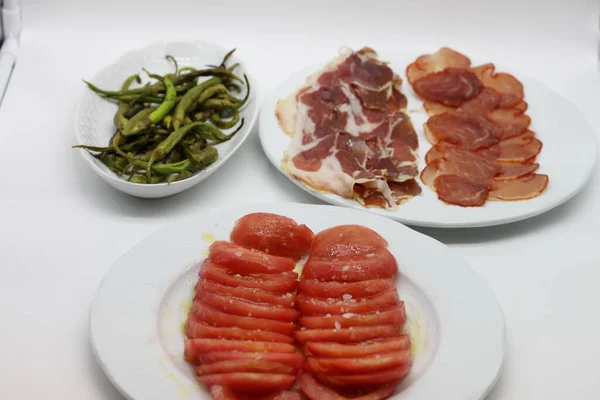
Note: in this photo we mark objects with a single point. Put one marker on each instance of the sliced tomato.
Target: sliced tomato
(349, 335)
(250, 382)
(292, 359)
(338, 290)
(198, 330)
(358, 365)
(314, 390)
(273, 234)
(247, 261)
(210, 316)
(311, 306)
(279, 285)
(382, 346)
(244, 308)
(219, 392)
(346, 241)
(396, 315)
(193, 347)
(265, 367)
(255, 295)
(369, 380)
(379, 265)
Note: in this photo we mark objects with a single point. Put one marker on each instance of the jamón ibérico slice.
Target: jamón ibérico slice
(512, 171)
(451, 87)
(468, 131)
(526, 187)
(349, 129)
(436, 62)
(507, 85)
(400, 190)
(461, 191)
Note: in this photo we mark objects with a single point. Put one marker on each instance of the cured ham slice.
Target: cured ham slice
(483, 147)
(526, 187)
(350, 135)
(451, 87)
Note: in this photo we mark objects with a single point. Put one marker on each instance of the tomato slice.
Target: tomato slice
(280, 285)
(197, 330)
(379, 265)
(314, 390)
(255, 295)
(322, 349)
(265, 367)
(345, 241)
(250, 382)
(247, 261)
(349, 335)
(395, 315)
(210, 316)
(311, 306)
(219, 392)
(273, 234)
(292, 359)
(369, 380)
(359, 365)
(337, 290)
(244, 308)
(193, 347)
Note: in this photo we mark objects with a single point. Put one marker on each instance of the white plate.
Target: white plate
(94, 115)
(139, 311)
(568, 154)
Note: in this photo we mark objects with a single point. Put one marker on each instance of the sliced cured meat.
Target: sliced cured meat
(250, 294)
(198, 330)
(313, 306)
(292, 359)
(512, 122)
(233, 306)
(512, 171)
(314, 390)
(440, 149)
(275, 285)
(469, 165)
(360, 365)
(247, 261)
(526, 187)
(346, 241)
(249, 382)
(382, 346)
(349, 130)
(519, 149)
(357, 334)
(400, 190)
(395, 315)
(368, 380)
(507, 85)
(219, 392)
(461, 191)
(451, 87)
(210, 316)
(193, 347)
(337, 290)
(265, 367)
(273, 234)
(379, 265)
(468, 131)
(436, 62)
(486, 101)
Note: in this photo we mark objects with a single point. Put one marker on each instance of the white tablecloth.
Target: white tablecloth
(62, 227)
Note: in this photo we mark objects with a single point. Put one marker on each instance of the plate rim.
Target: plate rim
(330, 198)
(198, 176)
(475, 280)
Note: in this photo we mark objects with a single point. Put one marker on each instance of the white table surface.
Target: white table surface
(62, 227)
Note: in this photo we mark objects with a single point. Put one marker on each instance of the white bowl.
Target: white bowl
(94, 115)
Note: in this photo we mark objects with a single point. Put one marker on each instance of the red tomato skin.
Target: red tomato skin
(250, 294)
(292, 359)
(323, 349)
(380, 265)
(357, 334)
(309, 306)
(250, 382)
(373, 379)
(346, 241)
(198, 330)
(244, 261)
(393, 316)
(278, 285)
(337, 290)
